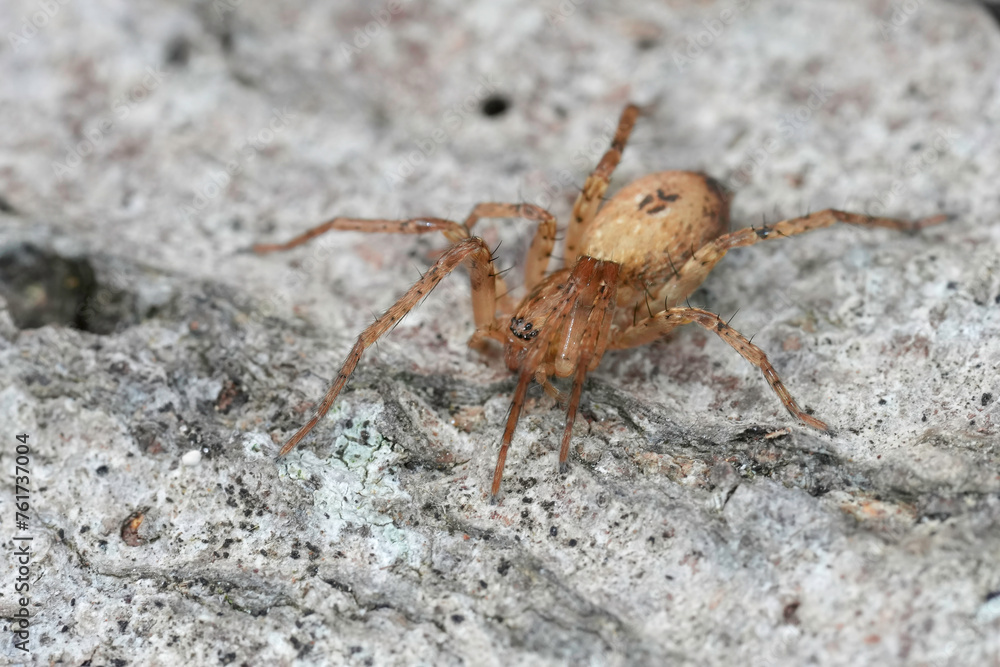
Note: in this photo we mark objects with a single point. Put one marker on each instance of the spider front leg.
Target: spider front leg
(472, 250)
(537, 262)
(658, 325)
(452, 230)
(596, 336)
(589, 199)
(578, 321)
(693, 272)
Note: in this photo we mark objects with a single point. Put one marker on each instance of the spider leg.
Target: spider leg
(540, 252)
(590, 197)
(508, 433)
(486, 327)
(696, 269)
(454, 231)
(472, 250)
(592, 344)
(531, 363)
(669, 319)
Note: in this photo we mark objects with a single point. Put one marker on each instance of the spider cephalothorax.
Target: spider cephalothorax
(651, 245)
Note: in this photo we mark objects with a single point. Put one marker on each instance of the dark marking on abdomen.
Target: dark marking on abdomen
(665, 197)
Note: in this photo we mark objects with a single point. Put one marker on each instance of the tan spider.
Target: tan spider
(651, 245)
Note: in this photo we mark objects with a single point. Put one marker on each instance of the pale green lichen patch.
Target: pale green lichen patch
(356, 484)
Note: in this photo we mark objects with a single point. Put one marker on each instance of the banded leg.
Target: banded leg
(537, 262)
(693, 272)
(664, 321)
(471, 250)
(454, 231)
(589, 199)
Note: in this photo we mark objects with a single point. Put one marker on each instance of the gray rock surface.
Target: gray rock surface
(698, 524)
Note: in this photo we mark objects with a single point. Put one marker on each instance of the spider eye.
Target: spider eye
(521, 329)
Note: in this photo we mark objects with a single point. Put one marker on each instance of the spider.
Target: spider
(644, 251)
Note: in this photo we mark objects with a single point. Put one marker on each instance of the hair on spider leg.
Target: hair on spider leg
(734, 315)
(579, 191)
(493, 254)
(500, 296)
(500, 273)
(645, 291)
(672, 267)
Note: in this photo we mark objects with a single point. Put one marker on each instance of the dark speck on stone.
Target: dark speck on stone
(495, 105)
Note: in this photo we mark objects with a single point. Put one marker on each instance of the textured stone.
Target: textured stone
(689, 529)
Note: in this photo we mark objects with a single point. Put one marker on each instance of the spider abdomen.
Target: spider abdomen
(660, 216)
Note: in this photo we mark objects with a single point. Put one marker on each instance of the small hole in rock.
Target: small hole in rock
(226, 41)
(42, 287)
(178, 51)
(495, 105)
